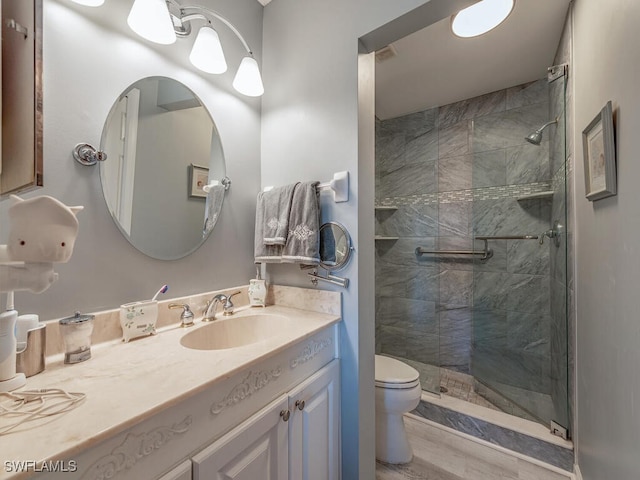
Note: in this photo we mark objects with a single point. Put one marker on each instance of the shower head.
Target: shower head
(536, 137)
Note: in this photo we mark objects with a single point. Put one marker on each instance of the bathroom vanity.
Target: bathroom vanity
(154, 408)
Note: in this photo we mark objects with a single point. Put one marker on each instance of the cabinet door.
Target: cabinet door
(314, 427)
(256, 449)
(181, 472)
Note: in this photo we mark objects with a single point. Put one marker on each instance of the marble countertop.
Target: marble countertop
(126, 383)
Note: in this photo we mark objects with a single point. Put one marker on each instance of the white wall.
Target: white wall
(86, 67)
(310, 130)
(607, 67)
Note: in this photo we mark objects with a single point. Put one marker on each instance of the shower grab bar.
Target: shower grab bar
(510, 237)
(486, 253)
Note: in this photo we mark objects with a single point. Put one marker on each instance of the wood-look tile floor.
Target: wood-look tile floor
(442, 455)
(416, 470)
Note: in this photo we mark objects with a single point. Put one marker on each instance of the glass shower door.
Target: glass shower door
(519, 347)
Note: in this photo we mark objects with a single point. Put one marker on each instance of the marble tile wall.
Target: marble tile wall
(454, 172)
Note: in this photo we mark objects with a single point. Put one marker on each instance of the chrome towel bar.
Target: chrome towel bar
(334, 280)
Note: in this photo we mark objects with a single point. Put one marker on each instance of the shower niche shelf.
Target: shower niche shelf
(386, 209)
(533, 196)
(385, 238)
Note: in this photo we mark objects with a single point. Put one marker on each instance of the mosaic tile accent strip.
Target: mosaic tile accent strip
(485, 193)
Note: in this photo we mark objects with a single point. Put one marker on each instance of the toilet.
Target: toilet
(397, 392)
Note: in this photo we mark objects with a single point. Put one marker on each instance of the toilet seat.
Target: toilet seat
(392, 373)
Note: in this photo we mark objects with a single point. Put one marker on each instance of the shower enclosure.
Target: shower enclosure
(471, 248)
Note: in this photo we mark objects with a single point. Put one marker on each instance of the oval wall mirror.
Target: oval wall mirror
(162, 148)
(335, 246)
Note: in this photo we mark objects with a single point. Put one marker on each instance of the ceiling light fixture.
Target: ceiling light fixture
(481, 17)
(162, 21)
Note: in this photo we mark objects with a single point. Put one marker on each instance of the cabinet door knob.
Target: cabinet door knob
(285, 414)
(300, 404)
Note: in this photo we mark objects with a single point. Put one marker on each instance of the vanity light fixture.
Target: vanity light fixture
(481, 17)
(207, 54)
(152, 20)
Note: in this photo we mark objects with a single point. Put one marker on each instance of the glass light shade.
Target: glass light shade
(207, 54)
(481, 17)
(248, 80)
(151, 20)
(89, 3)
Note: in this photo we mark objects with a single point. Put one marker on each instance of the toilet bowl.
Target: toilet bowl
(397, 392)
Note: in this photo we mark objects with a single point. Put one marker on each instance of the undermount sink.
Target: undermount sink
(232, 331)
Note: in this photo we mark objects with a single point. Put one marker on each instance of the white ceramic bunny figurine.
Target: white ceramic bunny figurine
(42, 231)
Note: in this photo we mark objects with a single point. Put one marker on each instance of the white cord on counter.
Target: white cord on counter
(29, 405)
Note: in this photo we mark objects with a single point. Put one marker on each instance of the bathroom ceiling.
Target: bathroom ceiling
(433, 67)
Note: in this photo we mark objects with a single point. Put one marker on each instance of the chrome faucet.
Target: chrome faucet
(186, 317)
(227, 306)
(553, 233)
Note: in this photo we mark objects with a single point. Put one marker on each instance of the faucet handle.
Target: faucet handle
(228, 304)
(186, 316)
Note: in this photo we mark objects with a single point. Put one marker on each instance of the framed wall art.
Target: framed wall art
(198, 178)
(599, 156)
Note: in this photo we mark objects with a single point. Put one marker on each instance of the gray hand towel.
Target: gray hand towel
(303, 240)
(275, 206)
(215, 198)
(264, 253)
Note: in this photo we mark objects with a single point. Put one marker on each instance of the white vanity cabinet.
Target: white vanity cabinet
(181, 472)
(314, 426)
(296, 437)
(257, 449)
(233, 428)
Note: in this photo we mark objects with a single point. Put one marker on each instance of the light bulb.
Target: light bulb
(481, 17)
(207, 54)
(151, 20)
(248, 80)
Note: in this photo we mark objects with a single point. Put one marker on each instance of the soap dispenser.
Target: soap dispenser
(257, 290)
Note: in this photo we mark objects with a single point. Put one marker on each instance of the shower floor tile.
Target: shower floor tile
(460, 386)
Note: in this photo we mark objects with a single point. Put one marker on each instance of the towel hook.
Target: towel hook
(226, 183)
(88, 155)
